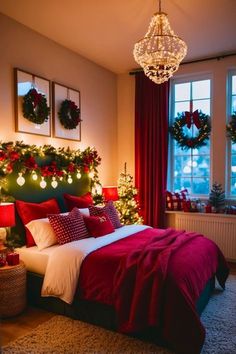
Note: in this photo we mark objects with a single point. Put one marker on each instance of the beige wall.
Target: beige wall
(23, 48)
(218, 70)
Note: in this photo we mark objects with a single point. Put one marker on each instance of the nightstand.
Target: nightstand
(12, 290)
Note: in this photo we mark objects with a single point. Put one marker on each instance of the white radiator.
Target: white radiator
(219, 228)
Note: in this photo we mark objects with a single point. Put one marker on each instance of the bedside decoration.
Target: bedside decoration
(69, 114)
(190, 120)
(110, 193)
(60, 164)
(231, 128)
(35, 107)
(7, 218)
(217, 197)
(32, 108)
(66, 112)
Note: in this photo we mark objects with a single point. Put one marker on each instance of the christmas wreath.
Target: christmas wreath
(69, 114)
(188, 119)
(231, 128)
(35, 107)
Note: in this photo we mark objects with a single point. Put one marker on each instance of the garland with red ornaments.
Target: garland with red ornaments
(231, 128)
(69, 114)
(189, 119)
(35, 107)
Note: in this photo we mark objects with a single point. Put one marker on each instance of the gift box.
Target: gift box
(13, 258)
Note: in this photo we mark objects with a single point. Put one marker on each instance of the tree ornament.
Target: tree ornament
(189, 119)
(231, 128)
(69, 114)
(217, 197)
(35, 107)
(127, 205)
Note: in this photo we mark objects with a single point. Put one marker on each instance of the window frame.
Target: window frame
(180, 80)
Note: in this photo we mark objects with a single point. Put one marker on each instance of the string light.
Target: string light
(54, 182)
(20, 180)
(91, 174)
(43, 183)
(78, 175)
(34, 176)
(69, 180)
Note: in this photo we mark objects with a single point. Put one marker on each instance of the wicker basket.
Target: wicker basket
(12, 290)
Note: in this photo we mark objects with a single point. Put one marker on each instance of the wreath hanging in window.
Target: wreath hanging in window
(231, 128)
(188, 119)
(69, 114)
(35, 107)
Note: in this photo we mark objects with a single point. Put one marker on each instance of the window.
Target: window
(232, 147)
(190, 168)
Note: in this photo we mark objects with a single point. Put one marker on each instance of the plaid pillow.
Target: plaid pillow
(108, 209)
(69, 227)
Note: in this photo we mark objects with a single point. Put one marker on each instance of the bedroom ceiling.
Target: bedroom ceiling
(105, 31)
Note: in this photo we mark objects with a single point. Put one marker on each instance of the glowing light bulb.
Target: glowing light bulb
(91, 174)
(54, 183)
(69, 180)
(20, 180)
(78, 175)
(43, 183)
(34, 176)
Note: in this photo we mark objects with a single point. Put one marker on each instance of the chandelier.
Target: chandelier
(160, 52)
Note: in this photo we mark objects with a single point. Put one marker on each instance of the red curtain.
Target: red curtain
(151, 147)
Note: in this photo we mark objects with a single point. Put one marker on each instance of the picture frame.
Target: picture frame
(24, 82)
(61, 93)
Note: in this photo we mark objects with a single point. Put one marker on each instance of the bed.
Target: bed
(144, 282)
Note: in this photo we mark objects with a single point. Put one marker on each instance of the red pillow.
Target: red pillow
(69, 227)
(31, 211)
(73, 201)
(98, 225)
(110, 210)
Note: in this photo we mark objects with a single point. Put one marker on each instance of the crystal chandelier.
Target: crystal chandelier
(160, 52)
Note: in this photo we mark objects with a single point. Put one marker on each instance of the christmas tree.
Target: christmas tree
(127, 205)
(217, 197)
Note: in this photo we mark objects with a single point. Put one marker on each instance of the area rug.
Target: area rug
(64, 335)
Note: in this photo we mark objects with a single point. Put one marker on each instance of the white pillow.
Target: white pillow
(84, 211)
(42, 232)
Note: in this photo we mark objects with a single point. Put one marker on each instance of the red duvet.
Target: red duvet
(153, 279)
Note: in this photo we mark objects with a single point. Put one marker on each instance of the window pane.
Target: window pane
(233, 165)
(233, 186)
(200, 186)
(182, 183)
(234, 84)
(182, 92)
(233, 147)
(201, 166)
(203, 105)
(205, 150)
(181, 107)
(201, 89)
(182, 166)
(233, 104)
(178, 150)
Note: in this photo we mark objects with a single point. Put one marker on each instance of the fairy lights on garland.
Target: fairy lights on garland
(189, 120)
(231, 128)
(64, 162)
(35, 107)
(69, 114)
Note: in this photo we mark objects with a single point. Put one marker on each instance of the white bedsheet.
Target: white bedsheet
(64, 262)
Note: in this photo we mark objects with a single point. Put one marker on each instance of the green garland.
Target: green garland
(184, 141)
(35, 107)
(69, 114)
(231, 128)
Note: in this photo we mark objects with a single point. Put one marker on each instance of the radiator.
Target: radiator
(219, 228)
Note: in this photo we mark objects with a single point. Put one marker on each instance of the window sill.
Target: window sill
(213, 215)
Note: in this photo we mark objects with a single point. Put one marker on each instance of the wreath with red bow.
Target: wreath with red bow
(69, 114)
(35, 107)
(184, 138)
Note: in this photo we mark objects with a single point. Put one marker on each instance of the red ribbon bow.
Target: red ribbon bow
(193, 117)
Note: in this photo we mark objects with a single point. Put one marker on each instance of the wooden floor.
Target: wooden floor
(12, 328)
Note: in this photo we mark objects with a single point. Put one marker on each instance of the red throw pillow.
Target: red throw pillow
(73, 201)
(110, 210)
(98, 225)
(31, 211)
(69, 227)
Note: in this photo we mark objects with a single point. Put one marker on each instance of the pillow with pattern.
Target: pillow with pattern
(99, 225)
(69, 227)
(108, 209)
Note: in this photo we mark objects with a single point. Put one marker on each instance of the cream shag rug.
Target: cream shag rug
(64, 335)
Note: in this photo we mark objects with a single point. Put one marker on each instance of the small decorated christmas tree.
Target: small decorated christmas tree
(217, 197)
(127, 205)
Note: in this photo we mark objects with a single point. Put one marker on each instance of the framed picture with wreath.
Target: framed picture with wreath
(66, 112)
(32, 103)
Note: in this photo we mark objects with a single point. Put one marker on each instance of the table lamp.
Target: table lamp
(110, 193)
(7, 218)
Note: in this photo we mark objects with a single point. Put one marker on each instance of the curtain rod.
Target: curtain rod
(219, 57)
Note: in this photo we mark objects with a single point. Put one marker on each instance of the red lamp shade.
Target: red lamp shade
(7, 214)
(110, 193)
